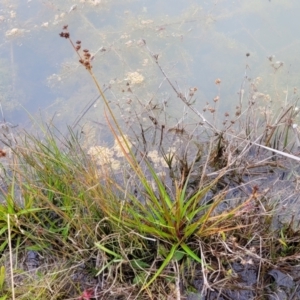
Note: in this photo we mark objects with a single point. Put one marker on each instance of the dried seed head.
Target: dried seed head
(78, 42)
(218, 81)
(65, 34)
(2, 153)
(87, 65)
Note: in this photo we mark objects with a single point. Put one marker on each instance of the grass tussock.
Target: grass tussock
(204, 221)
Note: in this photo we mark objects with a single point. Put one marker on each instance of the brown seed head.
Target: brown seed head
(238, 113)
(64, 35)
(87, 65)
(2, 153)
(218, 81)
(78, 42)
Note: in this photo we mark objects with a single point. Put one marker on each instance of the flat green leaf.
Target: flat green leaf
(2, 277)
(107, 265)
(139, 264)
(178, 255)
(190, 252)
(101, 247)
(164, 194)
(3, 229)
(163, 266)
(30, 210)
(37, 247)
(140, 278)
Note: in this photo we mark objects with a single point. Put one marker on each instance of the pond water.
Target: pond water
(196, 42)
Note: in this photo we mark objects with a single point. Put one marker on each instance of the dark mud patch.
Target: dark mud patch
(246, 284)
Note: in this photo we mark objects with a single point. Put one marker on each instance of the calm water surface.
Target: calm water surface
(196, 42)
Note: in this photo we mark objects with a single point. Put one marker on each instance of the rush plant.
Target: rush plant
(172, 218)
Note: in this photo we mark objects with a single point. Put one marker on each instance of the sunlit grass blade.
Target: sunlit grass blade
(190, 253)
(162, 267)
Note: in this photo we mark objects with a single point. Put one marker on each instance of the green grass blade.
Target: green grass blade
(101, 247)
(190, 253)
(162, 267)
(162, 191)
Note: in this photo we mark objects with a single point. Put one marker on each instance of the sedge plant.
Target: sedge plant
(173, 219)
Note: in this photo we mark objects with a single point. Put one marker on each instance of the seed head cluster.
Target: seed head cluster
(86, 59)
(85, 56)
(65, 33)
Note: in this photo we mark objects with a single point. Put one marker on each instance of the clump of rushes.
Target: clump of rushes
(155, 213)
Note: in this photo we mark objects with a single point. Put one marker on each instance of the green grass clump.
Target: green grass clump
(69, 206)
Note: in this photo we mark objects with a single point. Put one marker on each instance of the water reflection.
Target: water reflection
(194, 42)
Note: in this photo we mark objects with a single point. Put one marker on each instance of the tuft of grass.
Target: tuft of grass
(173, 219)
